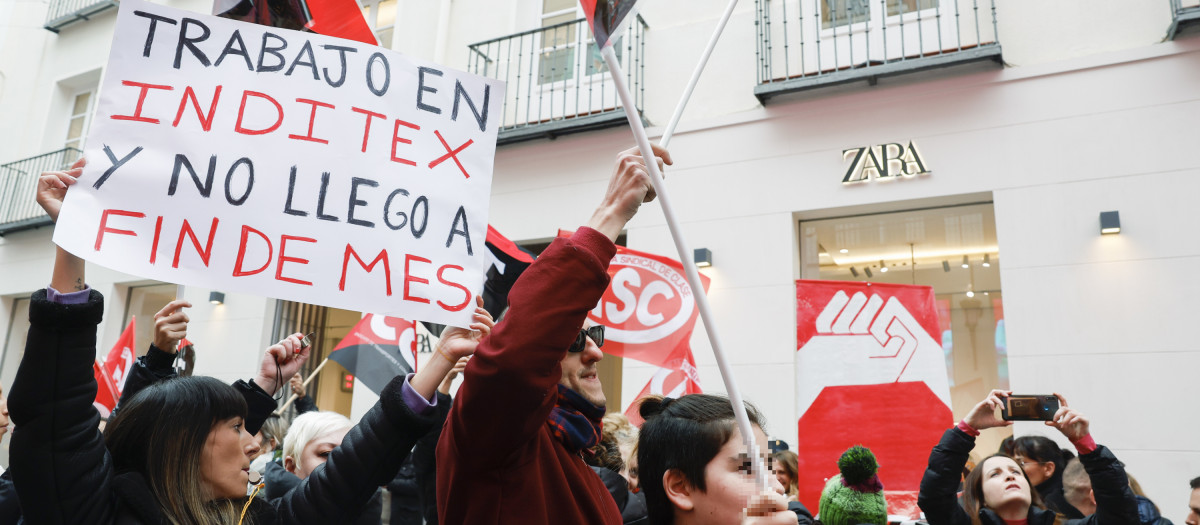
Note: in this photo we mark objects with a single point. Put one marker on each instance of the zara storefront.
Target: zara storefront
(988, 186)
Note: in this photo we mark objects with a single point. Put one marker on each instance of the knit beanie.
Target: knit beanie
(856, 495)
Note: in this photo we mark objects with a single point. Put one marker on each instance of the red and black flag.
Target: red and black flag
(336, 18)
(378, 349)
(506, 262)
(607, 18)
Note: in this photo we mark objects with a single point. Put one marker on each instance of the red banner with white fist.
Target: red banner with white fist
(870, 370)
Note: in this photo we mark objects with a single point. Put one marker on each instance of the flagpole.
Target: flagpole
(691, 86)
(689, 264)
(179, 290)
(294, 397)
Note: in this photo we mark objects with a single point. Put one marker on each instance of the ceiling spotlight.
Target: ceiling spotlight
(970, 293)
(854, 272)
(946, 265)
(868, 272)
(987, 261)
(843, 250)
(882, 267)
(966, 262)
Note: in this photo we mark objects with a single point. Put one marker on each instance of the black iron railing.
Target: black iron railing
(805, 44)
(65, 12)
(557, 81)
(1185, 17)
(18, 182)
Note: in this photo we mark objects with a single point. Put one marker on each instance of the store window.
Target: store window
(952, 249)
(143, 302)
(14, 348)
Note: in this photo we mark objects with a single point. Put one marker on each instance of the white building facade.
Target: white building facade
(1010, 127)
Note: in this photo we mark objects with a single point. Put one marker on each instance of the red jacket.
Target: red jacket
(497, 461)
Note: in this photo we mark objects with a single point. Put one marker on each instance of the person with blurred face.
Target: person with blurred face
(310, 439)
(694, 467)
(531, 402)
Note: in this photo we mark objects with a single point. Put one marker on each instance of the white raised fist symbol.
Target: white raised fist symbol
(864, 341)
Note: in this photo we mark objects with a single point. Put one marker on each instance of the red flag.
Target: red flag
(342, 19)
(378, 349)
(120, 359)
(678, 377)
(337, 18)
(648, 310)
(606, 18)
(106, 391)
(867, 354)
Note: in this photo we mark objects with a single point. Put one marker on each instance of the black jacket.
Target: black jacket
(1115, 503)
(425, 460)
(64, 474)
(632, 505)
(1052, 495)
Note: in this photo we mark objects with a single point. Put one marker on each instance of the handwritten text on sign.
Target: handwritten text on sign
(287, 164)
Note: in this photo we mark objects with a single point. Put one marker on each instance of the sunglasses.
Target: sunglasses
(595, 333)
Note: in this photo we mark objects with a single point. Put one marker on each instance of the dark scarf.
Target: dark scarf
(575, 421)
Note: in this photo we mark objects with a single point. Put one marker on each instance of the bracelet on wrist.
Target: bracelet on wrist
(438, 349)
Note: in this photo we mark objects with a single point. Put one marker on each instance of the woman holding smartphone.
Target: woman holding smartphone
(998, 492)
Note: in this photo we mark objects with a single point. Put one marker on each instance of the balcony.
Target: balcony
(66, 12)
(557, 81)
(1185, 18)
(18, 182)
(812, 44)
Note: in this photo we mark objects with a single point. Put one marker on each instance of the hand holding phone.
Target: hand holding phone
(1029, 408)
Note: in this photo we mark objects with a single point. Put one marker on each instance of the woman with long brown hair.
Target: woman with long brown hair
(179, 451)
(997, 491)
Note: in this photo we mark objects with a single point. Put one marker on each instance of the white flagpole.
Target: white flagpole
(689, 264)
(179, 290)
(691, 86)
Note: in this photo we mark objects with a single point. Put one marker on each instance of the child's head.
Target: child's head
(692, 461)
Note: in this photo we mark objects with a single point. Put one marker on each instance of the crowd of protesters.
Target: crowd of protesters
(525, 440)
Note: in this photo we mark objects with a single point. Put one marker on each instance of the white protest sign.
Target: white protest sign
(286, 164)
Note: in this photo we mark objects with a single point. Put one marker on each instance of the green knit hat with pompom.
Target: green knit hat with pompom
(856, 495)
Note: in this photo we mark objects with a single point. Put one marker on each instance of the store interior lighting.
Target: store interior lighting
(945, 265)
(868, 272)
(966, 262)
(882, 267)
(854, 272)
(987, 261)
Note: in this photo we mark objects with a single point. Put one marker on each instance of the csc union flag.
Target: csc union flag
(377, 349)
(606, 18)
(648, 310)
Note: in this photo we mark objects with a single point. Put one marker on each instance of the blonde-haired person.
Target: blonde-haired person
(787, 471)
(178, 452)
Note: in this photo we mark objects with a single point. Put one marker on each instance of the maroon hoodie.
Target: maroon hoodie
(497, 461)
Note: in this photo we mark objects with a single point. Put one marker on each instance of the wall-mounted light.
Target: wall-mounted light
(945, 265)
(966, 262)
(868, 272)
(703, 257)
(854, 272)
(882, 267)
(1110, 222)
(987, 261)
(216, 297)
(843, 250)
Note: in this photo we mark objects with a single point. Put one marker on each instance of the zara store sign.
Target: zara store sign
(883, 162)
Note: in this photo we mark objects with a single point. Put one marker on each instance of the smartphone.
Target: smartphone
(1029, 408)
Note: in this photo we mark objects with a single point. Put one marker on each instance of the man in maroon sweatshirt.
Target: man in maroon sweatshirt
(528, 410)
